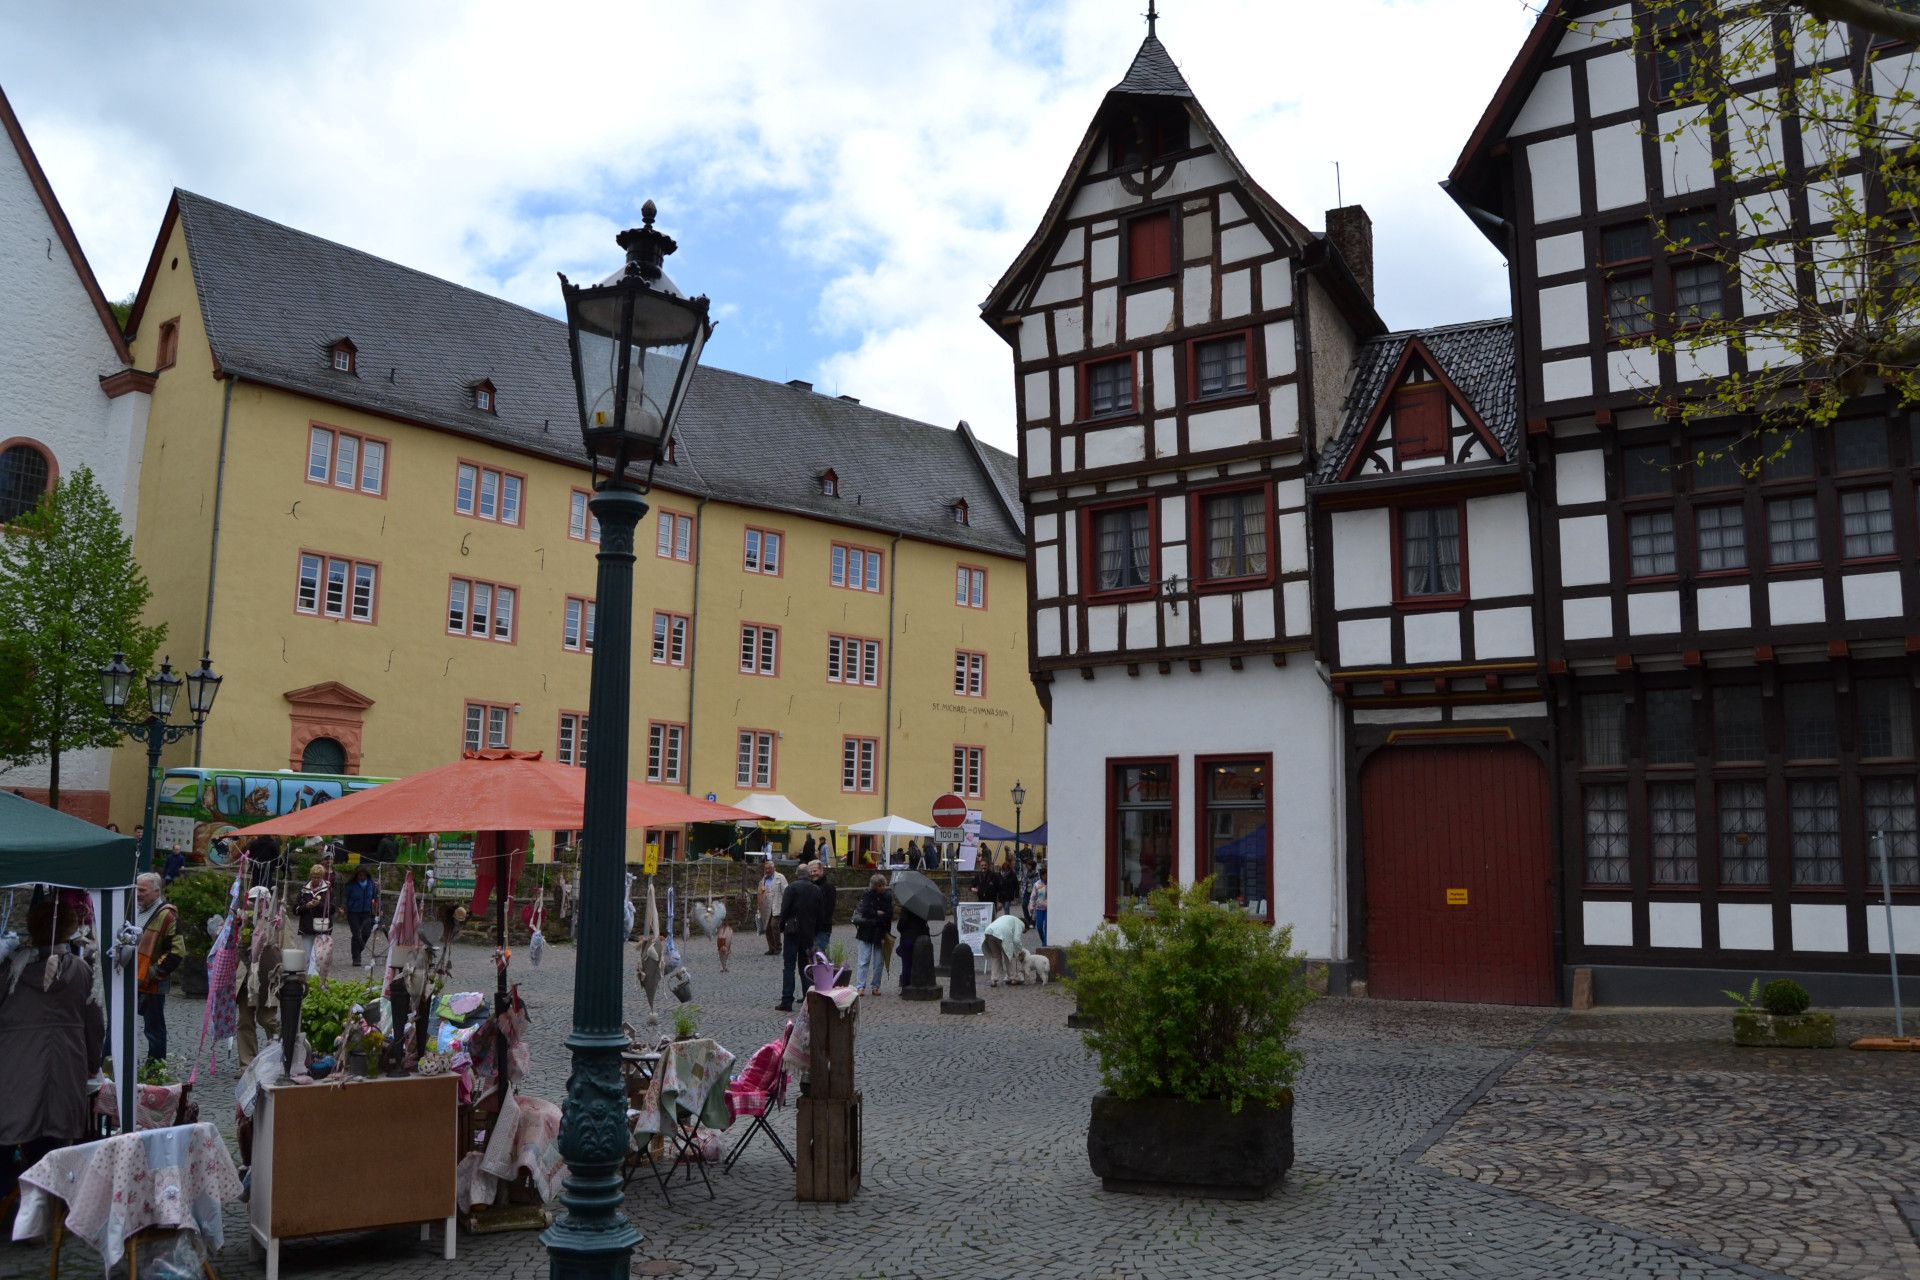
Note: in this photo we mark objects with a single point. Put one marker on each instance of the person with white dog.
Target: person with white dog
(1005, 956)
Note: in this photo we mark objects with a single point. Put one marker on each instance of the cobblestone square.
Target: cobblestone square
(1433, 1141)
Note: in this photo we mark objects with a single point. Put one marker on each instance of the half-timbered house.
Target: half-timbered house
(1731, 658)
(1425, 586)
(1180, 343)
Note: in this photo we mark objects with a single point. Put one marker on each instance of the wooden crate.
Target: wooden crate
(830, 1048)
(827, 1149)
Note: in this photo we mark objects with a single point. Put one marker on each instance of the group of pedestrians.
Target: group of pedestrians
(1006, 881)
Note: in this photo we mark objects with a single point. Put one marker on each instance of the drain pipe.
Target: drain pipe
(693, 650)
(213, 553)
(886, 768)
(1335, 777)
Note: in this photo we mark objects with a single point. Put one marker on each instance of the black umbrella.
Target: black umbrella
(914, 892)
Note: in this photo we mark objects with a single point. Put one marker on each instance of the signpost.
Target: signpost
(949, 822)
(453, 874)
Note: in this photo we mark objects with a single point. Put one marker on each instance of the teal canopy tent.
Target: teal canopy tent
(39, 845)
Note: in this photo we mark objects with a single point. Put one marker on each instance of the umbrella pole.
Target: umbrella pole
(500, 961)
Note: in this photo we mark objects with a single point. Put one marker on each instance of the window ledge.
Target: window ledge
(1430, 602)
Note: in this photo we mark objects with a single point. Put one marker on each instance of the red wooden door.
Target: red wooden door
(1457, 859)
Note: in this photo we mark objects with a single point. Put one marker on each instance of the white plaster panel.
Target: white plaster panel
(1283, 411)
(1366, 642)
(1073, 247)
(1033, 336)
(1612, 84)
(1871, 595)
(1069, 391)
(1072, 531)
(1580, 476)
(1242, 242)
(1906, 928)
(1058, 286)
(1827, 201)
(1746, 926)
(1033, 395)
(1557, 255)
(1231, 209)
(1103, 628)
(1686, 151)
(1745, 46)
(1104, 259)
(1597, 28)
(1070, 456)
(1039, 451)
(1196, 295)
(1563, 315)
(1362, 559)
(1502, 633)
(1555, 170)
(1724, 608)
(1673, 924)
(1196, 236)
(1433, 637)
(1294, 600)
(1166, 440)
(1584, 557)
(1046, 574)
(1142, 631)
(1149, 313)
(1801, 600)
(1197, 174)
(1589, 618)
(1216, 619)
(1290, 493)
(1103, 196)
(1173, 520)
(1549, 106)
(1566, 379)
(1693, 361)
(1114, 446)
(1279, 338)
(1166, 395)
(1501, 711)
(1619, 173)
(1292, 531)
(1607, 924)
(1236, 294)
(1753, 130)
(1070, 329)
(1047, 633)
(1276, 285)
(1499, 548)
(1632, 368)
(1652, 613)
(1762, 213)
(1223, 428)
(1105, 324)
(1818, 926)
(1256, 615)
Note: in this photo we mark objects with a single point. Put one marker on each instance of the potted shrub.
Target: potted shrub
(686, 1021)
(1777, 1016)
(1188, 1005)
(198, 896)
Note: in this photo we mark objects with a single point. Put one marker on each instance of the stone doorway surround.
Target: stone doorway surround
(327, 710)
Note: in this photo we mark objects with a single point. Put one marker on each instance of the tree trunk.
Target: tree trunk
(53, 755)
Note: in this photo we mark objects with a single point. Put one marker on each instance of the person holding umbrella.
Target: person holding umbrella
(919, 900)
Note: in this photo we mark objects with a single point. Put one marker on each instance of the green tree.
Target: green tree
(71, 594)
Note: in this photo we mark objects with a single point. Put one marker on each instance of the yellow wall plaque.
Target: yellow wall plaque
(1456, 897)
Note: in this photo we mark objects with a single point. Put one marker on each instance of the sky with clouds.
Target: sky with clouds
(846, 178)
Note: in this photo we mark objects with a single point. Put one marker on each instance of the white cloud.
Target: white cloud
(901, 153)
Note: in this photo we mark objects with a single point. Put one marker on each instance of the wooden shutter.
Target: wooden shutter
(1419, 422)
(1150, 246)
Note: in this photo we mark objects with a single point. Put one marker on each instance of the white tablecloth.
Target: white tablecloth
(177, 1177)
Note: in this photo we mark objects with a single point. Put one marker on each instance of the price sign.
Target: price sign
(453, 874)
(650, 862)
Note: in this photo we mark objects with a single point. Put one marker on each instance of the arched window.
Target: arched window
(25, 474)
(323, 755)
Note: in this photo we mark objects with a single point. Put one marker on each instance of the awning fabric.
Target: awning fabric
(777, 808)
(891, 826)
(39, 845)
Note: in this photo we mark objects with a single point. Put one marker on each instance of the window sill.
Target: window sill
(1754, 890)
(1794, 566)
(1430, 602)
(1653, 580)
(1712, 575)
(1222, 399)
(1221, 586)
(1892, 558)
(1124, 593)
(1110, 419)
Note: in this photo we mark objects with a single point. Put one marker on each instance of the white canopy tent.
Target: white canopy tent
(891, 828)
(777, 808)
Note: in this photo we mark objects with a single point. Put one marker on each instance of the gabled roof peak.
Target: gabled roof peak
(1153, 73)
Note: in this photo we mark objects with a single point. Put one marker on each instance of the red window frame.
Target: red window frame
(577, 755)
(847, 581)
(1451, 600)
(493, 599)
(870, 748)
(362, 440)
(1430, 444)
(1084, 405)
(853, 658)
(780, 561)
(486, 711)
(1088, 551)
(686, 643)
(1147, 242)
(587, 619)
(480, 472)
(963, 677)
(1746, 543)
(319, 610)
(975, 761)
(1196, 538)
(1194, 394)
(676, 520)
(761, 632)
(772, 737)
(1766, 513)
(1627, 518)
(1840, 516)
(590, 523)
(1202, 858)
(344, 347)
(1113, 765)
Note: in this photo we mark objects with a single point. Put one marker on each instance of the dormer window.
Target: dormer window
(344, 356)
(483, 396)
(959, 510)
(829, 483)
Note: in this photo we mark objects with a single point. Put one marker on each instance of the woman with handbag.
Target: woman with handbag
(313, 908)
(872, 921)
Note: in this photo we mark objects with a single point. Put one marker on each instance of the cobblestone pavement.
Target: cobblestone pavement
(976, 1155)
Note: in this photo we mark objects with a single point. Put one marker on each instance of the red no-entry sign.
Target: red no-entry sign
(949, 811)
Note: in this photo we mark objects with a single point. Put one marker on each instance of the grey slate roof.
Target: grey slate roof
(1477, 356)
(276, 299)
(1153, 72)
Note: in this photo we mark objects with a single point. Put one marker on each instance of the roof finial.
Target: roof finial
(1153, 16)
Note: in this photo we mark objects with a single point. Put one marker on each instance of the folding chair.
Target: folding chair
(757, 1090)
(679, 1134)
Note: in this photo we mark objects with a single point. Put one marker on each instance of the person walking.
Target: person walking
(829, 900)
(363, 907)
(913, 927)
(313, 908)
(1037, 902)
(256, 990)
(155, 959)
(983, 875)
(1006, 886)
(806, 850)
(872, 920)
(767, 902)
(1024, 863)
(799, 925)
(51, 1037)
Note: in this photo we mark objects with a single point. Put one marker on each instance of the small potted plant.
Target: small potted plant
(1777, 1016)
(1188, 1005)
(686, 1021)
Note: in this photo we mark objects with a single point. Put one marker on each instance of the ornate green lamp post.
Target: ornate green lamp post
(635, 340)
(156, 729)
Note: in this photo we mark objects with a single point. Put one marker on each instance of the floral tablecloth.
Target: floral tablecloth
(177, 1177)
(689, 1085)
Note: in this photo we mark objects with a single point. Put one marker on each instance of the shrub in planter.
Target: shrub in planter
(1783, 998)
(1778, 1016)
(1188, 1007)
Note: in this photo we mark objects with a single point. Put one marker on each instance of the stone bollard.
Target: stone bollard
(949, 938)
(923, 986)
(963, 991)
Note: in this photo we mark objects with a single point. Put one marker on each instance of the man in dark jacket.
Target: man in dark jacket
(800, 915)
(829, 899)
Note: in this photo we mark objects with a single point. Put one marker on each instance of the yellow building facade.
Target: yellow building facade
(381, 538)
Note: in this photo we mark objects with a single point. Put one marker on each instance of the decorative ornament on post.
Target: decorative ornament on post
(635, 340)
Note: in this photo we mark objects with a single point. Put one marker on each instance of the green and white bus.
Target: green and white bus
(198, 807)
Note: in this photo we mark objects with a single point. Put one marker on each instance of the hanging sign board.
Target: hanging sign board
(1456, 897)
(453, 875)
(650, 864)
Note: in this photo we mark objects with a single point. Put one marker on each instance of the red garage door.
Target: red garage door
(1456, 856)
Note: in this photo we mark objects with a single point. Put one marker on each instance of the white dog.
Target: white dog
(1039, 969)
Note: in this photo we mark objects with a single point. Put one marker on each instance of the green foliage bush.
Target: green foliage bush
(1783, 998)
(198, 895)
(1191, 998)
(323, 1016)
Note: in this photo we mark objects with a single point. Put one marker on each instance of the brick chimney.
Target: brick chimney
(1351, 231)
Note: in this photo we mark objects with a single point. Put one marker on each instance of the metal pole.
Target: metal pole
(500, 980)
(155, 732)
(593, 1240)
(1893, 949)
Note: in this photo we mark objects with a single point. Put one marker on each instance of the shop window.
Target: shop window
(1737, 726)
(1743, 833)
(1603, 730)
(1235, 527)
(1866, 524)
(1650, 545)
(1889, 803)
(1122, 548)
(1808, 710)
(1886, 718)
(1236, 822)
(1669, 726)
(1140, 826)
(1793, 531)
(1430, 563)
(1606, 835)
(1813, 807)
(1720, 538)
(1672, 825)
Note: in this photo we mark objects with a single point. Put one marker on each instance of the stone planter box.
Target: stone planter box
(1166, 1146)
(1756, 1028)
